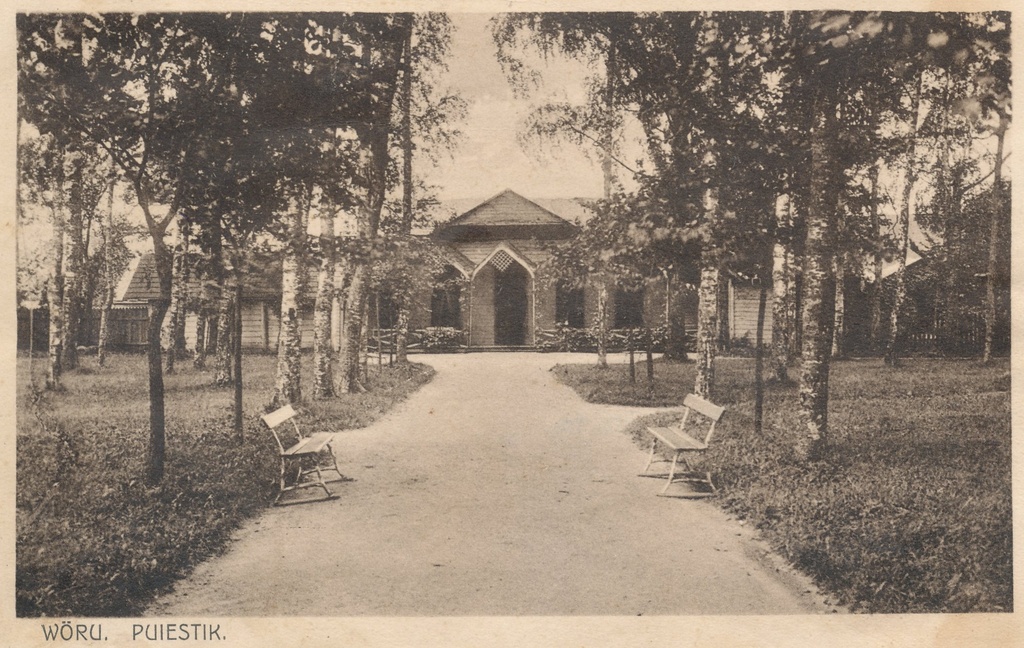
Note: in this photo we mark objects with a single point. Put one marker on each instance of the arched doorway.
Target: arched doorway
(511, 304)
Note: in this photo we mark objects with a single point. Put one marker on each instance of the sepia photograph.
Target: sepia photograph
(523, 316)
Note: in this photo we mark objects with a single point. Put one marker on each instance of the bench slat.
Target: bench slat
(310, 445)
(675, 439)
(708, 409)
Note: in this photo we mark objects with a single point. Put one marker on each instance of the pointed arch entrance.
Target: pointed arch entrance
(511, 305)
(502, 300)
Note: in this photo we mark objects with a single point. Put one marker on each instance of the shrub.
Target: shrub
(574, 339)
(441, 338)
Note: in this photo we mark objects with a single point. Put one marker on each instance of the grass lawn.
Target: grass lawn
(909, 512)
(92, 538)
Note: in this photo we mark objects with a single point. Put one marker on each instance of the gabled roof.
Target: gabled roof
(508, 208)
(507, 215)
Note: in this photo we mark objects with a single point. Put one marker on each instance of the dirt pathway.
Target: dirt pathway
(493, 491)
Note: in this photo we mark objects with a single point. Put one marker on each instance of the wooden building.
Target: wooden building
(261, 300)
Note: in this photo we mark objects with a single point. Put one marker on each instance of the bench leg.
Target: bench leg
(650, 459)
(671, 472)
(300, 483)
(334, 464)
(280, 485)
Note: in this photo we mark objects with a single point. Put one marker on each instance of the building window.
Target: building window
(569, 305)
(629, 308)
(445, 303)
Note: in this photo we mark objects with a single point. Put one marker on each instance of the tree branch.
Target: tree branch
(985, 177)
(597, 143)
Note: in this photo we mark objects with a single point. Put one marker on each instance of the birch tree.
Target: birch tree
(381, 60)
(427, 125)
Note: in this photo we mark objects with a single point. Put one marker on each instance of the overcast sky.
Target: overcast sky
(489, 159)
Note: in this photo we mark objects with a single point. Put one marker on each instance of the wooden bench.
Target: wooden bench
(685, 446)
(305, 454)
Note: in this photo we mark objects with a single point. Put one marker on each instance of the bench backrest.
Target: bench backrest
(709, 410)
(277, 417)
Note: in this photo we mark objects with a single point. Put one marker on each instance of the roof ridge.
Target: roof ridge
(508, 191)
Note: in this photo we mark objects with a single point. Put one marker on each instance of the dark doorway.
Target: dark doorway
(510, 305)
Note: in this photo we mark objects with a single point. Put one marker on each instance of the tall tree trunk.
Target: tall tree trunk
(157, 441)
(104, 334)
(602, 322)
(213, 328)
(173, 310)
(163, 261)
(900, 276)
(355, 305)
(950, 200)
(225, 309)
(202, 321)
(762, 298)
(900, 291)
(608, 177)
(323, 356)
(794, 303)
(402, 333)
(707, 329)
(817, 314)
(157, 310)
(373, 172)
(73, 270)
(649, 343)
(288, 387)
(707, 306)
(781, 298)
(993, 241)
(839, 318)
(55, 302)
(109, 281)
(876, 262)
(632, 356)
(402, 325)
(181, 300)
(237, 350)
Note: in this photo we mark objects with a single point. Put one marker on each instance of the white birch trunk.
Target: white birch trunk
(222, 376)
(55, 300)
(839, 319)
(355, 305)
(287, 386)
(900, 276)
(707, 307)
(323, 376)
(781, 279)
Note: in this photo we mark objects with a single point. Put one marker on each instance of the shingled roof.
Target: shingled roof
(262, 279)
(504, 213)
(508, 208)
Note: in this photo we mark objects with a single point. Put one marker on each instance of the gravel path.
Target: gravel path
(493, 491)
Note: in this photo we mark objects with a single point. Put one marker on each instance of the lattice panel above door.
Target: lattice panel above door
(502, 260)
